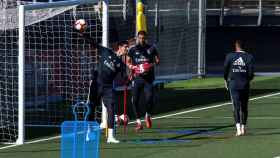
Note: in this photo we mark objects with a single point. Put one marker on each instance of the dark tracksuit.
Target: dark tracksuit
(139, 55)
(109, 65)
(238, 72)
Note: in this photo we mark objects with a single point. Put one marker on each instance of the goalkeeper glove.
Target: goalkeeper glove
(143, 68)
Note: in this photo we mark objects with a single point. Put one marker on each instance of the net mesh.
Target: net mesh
(176, 36)
(58, 64)
(172, 26)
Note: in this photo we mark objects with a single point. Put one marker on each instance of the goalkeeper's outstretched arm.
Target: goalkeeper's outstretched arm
(86, 36)
(89, 39)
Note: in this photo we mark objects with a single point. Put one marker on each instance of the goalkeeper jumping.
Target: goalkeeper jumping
(141, 60)
(110, 63)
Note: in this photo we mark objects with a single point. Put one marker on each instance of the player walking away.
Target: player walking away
(238, 72)
(101, 86)
(141, 60)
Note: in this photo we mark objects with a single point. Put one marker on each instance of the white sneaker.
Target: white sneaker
(243, 130)
(238, 133)
(238, 130)
(103, 125)
(112, 140)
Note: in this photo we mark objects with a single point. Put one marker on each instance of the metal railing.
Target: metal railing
(250, 8)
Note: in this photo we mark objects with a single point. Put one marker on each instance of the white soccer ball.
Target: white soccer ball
(80, 25)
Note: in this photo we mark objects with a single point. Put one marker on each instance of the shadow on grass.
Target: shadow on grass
(262, 133)
(40, 132)
(181, 134)
(168, 100)
(43, 151)
(171, 99)
(174, 100)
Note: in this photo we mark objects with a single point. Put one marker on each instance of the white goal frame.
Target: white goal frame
(21, 50)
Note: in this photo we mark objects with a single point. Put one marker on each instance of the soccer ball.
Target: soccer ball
(80, 25)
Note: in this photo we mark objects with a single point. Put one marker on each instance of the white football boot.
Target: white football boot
(111, 139)
(238, 130)
(243, 130)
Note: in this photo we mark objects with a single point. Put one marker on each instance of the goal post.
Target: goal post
(46, 64)
(201, 70)
(21, 65)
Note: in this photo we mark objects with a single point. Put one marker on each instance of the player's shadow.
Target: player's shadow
(179, 98)
(263, 131)
(263, 134)
(175, 99)
(210, 131)
(181, 135)
(171, 99)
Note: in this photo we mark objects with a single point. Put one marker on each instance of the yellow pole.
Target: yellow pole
(141, 23)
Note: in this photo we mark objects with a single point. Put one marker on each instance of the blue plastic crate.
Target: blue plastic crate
(80, 139)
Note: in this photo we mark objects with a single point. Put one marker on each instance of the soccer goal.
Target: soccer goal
(45, 65)
(176, 27)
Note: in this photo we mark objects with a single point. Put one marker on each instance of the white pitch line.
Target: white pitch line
(211, 107)
(42, 140)
(154, 118)
(30, 142)
(231, 117)
(10, 146)
(206, 108)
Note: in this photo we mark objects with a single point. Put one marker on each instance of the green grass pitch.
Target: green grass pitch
(197, 132)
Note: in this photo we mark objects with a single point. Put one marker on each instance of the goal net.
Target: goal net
(177, 28)
(39, 85)
(56, 63)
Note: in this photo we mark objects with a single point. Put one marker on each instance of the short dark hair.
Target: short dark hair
(239, 42)
(121, 43)
(142, 33)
